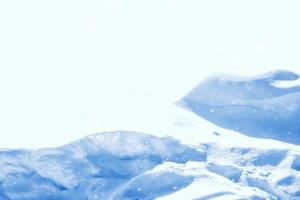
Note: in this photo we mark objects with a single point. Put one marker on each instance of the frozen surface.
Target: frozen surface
(183, 156)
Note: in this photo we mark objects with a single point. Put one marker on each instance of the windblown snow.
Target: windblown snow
(238, 139)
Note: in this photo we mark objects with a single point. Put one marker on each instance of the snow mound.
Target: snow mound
(254, 106)
(129, 165)
(109, 165)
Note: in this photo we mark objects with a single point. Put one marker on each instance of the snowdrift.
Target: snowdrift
(128, 165)
(250, 105)
(111, 165)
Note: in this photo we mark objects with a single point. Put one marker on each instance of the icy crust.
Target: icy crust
(250, 105)
(129, 165)
(111, 165)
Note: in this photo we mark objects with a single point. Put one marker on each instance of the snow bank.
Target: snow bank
(129, 165)
(95, 167)
(250, 105)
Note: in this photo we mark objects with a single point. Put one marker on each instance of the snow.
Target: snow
(96, 167)
(252, 105)
(183, 156)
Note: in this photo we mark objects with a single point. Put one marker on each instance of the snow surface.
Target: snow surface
(185, 157)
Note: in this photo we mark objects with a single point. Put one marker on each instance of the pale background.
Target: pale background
(69, 68)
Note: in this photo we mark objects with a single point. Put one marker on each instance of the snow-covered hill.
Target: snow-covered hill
(190, 158)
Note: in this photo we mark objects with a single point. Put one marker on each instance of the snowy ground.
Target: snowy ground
(182, 156)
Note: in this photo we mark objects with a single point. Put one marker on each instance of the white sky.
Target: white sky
(69, 68)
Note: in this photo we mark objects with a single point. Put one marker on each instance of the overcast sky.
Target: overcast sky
(69, 68)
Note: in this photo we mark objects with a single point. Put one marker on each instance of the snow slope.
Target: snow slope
(185, 157)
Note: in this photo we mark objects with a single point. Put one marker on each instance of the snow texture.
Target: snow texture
(200, 161)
